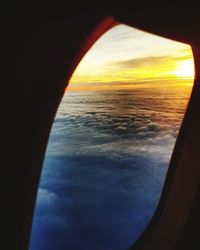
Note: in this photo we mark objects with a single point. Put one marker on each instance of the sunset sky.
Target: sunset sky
(128, 56)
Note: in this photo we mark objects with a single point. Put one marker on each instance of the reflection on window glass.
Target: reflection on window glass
(111, 142)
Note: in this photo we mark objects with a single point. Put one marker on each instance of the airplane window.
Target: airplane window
(111, 142)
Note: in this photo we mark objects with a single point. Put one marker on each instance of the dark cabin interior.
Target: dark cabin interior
(47, 51)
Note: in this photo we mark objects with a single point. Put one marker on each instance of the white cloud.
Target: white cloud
(46, 197)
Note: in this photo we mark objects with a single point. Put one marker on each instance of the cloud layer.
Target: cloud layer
(151, 61)
(104, 169)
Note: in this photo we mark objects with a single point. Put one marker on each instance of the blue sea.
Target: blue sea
(105, 166)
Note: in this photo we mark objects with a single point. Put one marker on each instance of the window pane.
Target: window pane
(111, 142)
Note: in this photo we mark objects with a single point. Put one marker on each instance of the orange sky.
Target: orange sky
(131, 57)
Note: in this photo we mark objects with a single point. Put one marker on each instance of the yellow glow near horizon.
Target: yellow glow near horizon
(128, 55)
(185, 68)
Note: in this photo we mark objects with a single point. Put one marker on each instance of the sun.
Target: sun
(184, 68)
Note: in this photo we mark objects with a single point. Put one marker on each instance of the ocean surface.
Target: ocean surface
(105, 166)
